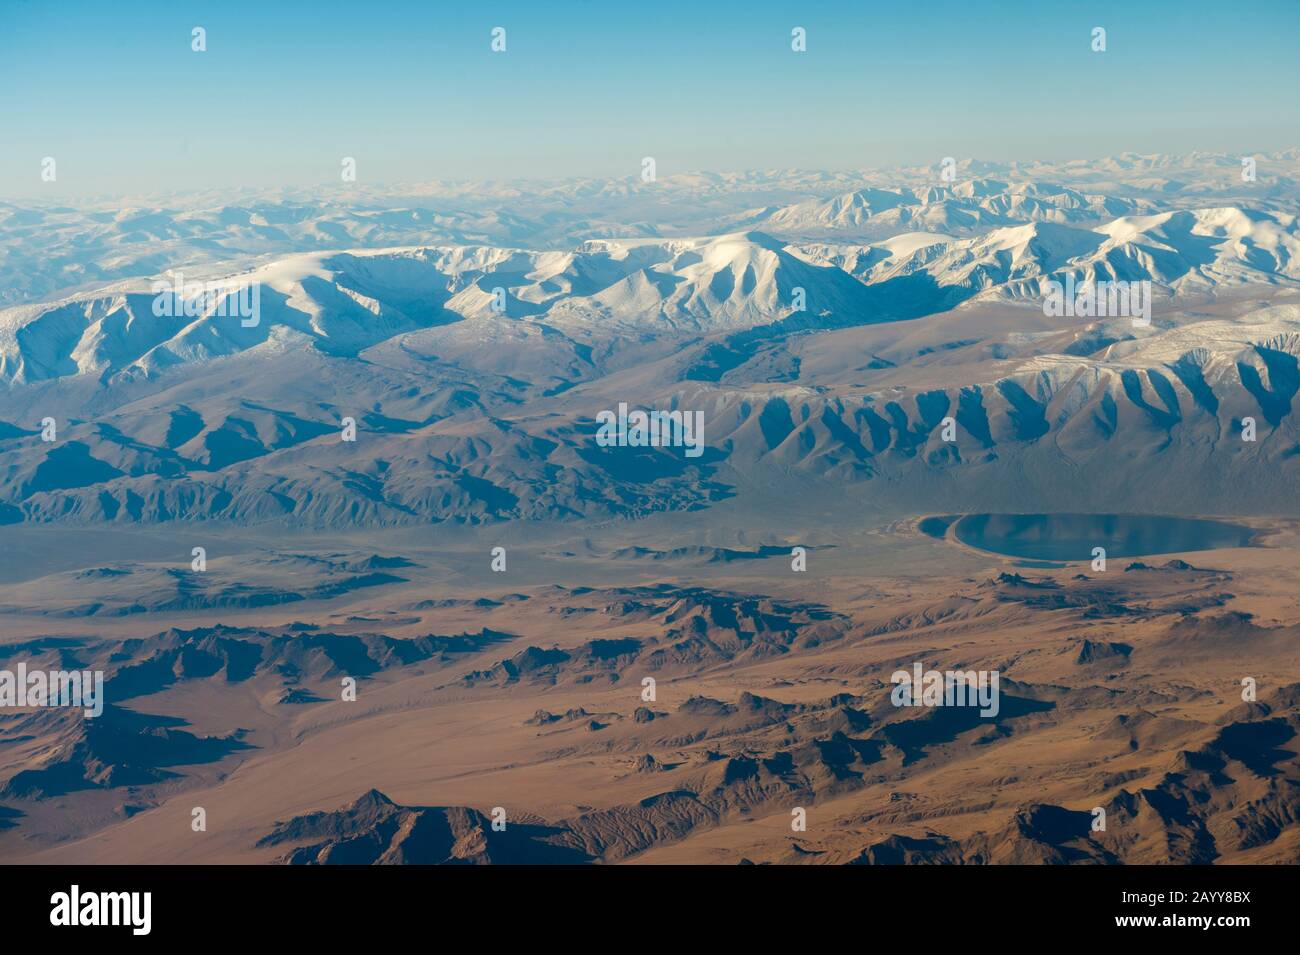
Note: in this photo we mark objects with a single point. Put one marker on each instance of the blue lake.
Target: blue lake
(1071, 537)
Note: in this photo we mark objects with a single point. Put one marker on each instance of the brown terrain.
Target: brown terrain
(1120, 690)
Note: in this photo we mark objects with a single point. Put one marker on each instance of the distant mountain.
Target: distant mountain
(1191, 251)
(49, 248)
(474, 371)
(346, 302)
(969, 206)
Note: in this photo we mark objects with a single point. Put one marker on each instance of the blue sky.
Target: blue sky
(412, 90)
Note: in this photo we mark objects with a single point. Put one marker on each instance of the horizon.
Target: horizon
(394, 188)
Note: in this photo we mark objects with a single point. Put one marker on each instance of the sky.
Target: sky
(413, 91)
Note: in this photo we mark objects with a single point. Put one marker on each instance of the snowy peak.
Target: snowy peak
(343, 303)
(962, 208)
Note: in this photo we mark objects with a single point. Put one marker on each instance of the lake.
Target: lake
(1071, 537)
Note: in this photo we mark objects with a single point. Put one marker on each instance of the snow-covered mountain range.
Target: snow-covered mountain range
(48, 248)
(345, 302)
(822, 339)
